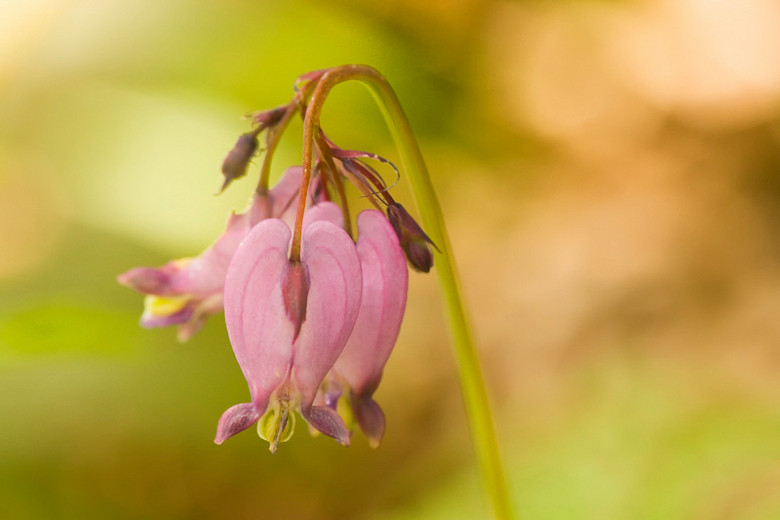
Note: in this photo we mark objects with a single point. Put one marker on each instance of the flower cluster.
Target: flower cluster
(311, 312)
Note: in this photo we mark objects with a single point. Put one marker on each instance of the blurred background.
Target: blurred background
(609, 174)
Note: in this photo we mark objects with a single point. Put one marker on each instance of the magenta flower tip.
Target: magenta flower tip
(370, 418)
(235, 420)
(146, 280)
(328, 422)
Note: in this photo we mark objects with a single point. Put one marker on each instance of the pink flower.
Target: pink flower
(186, 291)
(360, 365)
(289, 321)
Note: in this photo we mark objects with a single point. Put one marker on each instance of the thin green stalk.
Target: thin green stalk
(472, 383)
(274, 136)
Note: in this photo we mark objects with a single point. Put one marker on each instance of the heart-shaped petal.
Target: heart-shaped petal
(288, 322)
(385, 280)
(259, 330)
(335, 282)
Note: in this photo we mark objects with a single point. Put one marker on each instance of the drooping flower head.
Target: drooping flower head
(312, 315)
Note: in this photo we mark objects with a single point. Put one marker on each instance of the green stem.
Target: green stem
(273, 141)
(472, 383)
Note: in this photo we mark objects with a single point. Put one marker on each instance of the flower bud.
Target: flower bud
(269, 118)
(413, 239)
(419, 254)
(235, 164)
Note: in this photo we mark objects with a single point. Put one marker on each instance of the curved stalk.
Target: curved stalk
(472, 383)
(322, 147)
(271, 144)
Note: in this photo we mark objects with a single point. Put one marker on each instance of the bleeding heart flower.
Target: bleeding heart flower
(360, 365)
(288, 322)
(186, 291)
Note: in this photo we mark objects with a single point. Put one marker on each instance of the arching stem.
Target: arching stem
(472, 383)
(272, 142)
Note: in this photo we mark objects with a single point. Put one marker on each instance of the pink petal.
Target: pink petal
(150, 321)
(335, 285)
(202, 310)
(284, 195)
(385, 278)
(328, 422)
(147, 280)
(236, 419)
(370, 418)
(205, 274)
(259, 330)
(328, 211)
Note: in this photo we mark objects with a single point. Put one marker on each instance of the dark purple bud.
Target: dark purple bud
(419, 254)
(269, 118)
(235, 164)
(295, 293)
(413, 239)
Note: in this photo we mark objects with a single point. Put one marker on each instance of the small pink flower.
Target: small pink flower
(288, 322)
(185, 292)
(385, 280)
